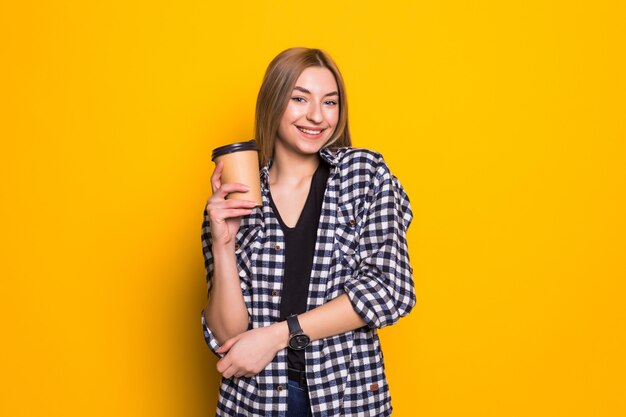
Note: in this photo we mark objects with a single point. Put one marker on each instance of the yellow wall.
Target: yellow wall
(504, 121)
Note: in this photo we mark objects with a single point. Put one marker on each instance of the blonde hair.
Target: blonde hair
(276, 89)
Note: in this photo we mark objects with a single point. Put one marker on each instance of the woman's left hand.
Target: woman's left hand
(250, 352)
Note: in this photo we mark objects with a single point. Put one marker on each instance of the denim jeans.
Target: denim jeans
(297, 400)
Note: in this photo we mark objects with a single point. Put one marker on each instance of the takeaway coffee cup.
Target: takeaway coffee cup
(241, 165)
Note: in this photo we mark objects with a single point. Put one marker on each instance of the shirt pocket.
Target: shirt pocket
(367, 382)
(349, 224)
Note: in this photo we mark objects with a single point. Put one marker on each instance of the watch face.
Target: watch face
(299, 341)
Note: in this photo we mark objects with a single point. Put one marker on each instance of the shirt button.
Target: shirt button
(280, 388)
(274, 293)
(277, 247)
(237, 246)
(373, 387)
(352, 222)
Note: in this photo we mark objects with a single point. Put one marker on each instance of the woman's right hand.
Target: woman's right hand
(225, 215)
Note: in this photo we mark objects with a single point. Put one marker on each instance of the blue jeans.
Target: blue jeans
(297, 400)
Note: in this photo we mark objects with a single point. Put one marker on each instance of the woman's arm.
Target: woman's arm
(335, 317)
(250, 352)
(225, 314)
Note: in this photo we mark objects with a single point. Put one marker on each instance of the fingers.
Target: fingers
(243, 374)
(225, 189)
(230, 370)
(222, 365)
(227, 345)
(229, 214)
(230, 367)
(216, 182)
(220, 216)
(219, 210)
(230, 204)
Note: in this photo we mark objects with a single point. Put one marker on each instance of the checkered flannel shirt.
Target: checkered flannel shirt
(361, 251)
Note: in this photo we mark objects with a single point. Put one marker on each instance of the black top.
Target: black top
(299, 249)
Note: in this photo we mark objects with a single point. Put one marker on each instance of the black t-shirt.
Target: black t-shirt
(299, 249)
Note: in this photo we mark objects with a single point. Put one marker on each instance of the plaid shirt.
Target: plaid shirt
(361, 250)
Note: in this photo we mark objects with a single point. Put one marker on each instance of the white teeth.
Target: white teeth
(310, 132)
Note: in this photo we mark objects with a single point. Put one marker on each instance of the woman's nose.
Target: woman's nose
(315, 113)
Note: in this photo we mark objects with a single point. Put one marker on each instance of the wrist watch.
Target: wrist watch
(297, 339)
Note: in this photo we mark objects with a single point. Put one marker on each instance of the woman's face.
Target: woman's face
(312, 113)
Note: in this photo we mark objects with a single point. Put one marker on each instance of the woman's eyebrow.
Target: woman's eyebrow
(304, 90)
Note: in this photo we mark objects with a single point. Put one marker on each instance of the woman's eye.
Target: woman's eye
(330, 103)
(298, 99)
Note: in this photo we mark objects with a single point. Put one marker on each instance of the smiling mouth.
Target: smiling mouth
(310, 131)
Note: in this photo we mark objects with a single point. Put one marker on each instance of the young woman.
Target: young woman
(298, 287)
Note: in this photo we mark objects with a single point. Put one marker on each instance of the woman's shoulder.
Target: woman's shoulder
(359, 158)
(361, 169)
(365, 175)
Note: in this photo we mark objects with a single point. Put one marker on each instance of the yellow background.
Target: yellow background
(505, 121)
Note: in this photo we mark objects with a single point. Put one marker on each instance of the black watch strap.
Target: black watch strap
(297, 339)
(293, 324)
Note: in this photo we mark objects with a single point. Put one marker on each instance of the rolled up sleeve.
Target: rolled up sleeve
(381, 288)
(209, 338)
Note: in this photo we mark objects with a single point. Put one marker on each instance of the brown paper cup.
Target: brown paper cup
(241, 165)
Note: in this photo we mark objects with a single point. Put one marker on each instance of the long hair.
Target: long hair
(276, 89)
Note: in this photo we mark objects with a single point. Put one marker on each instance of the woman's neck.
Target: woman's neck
(290, 169)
